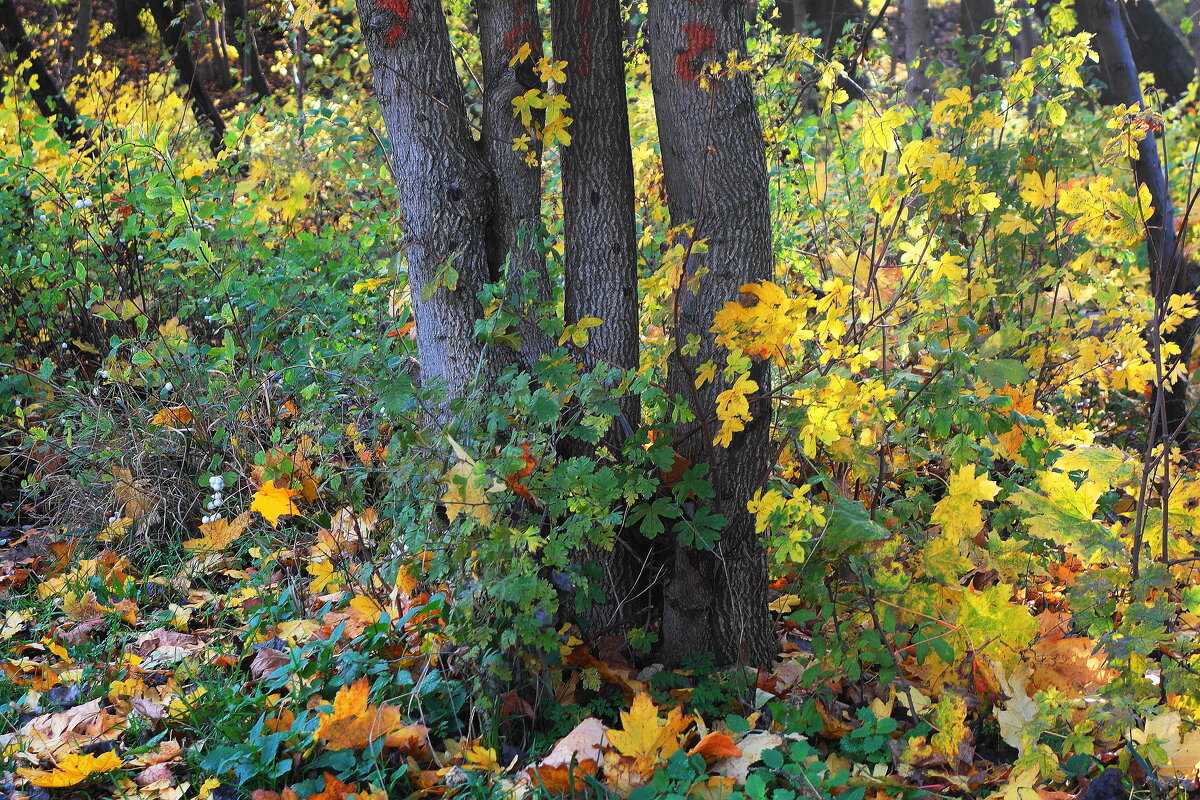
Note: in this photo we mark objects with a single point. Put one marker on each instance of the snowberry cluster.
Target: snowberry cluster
(217, 484)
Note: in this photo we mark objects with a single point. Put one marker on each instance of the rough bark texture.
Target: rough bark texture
(504, 26)
(47, 95)
(715, 173)
(600, 264)
(915, 17)
(167, 18)
(444, 185)
(600, 256)
(1169, 274)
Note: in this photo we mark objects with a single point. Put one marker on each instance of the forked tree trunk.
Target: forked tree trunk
(444, 184)
(504, 26)
(1169, 273)
(716, 178)
(600, 256)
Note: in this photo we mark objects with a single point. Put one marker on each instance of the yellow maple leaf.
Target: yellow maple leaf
(274, 501)
(354, 723)
(645, 736)
(72, 768)
(218, 534)
(325, 577)
(1039, 191)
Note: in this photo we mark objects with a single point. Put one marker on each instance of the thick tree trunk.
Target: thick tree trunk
(504, 26)
(170, 28)
(444, 184)
(600, 255)
(716, 179)
(46, 94)
(1169, 273)
(915, 15)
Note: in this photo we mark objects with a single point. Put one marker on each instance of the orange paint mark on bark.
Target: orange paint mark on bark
(699, 39)
(402, 10)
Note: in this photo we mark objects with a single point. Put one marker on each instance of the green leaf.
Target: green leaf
(1002, 372)
(850, 526)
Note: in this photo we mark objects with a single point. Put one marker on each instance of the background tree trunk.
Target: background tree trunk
(1152, 43)
(126, 22)
(972, 14)
(444, 185)
(504, 26)
(47, 95)
(252, 69)
(716, 178)
(1193, 37)
(915, 14)
(81, 38)
(170, 28)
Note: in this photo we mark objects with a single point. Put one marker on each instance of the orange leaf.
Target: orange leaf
(173, 417)
(72, 768)
(716, 745)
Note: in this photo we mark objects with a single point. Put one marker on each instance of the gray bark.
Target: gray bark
(505, 25)
(715, 173)
(444, 184)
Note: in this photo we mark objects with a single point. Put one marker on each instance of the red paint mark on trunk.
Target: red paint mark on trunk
(585, 56)
(700, 38)
(402, 11)
(517, 35)
(585, 11)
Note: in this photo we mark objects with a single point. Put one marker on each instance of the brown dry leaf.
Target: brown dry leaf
(266, 661)
(56, 734)
(1066, 664)
(133, 495)
(155, 774)
(715, 787)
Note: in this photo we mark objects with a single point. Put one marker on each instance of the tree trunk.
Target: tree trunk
(972, 15)
(252, 69)
(444, 185)
(1169, 274)
(600, 255)
(831, 17)
(170, 28)
(47, 94)
(127, 25)
(81, 37)
(1153, 45)
(504, 26)
(715, 173)
(915, 14)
